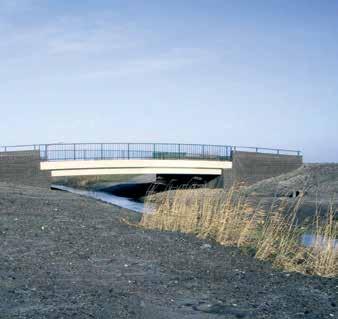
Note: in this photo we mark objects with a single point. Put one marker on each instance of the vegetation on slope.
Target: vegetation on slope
(233, 218)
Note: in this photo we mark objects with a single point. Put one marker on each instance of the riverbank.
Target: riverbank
(65, 256)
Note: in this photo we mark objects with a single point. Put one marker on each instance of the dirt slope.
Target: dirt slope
(63, 256)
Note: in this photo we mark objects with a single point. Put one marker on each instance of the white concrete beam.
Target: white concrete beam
(130, 171)
(92, 164)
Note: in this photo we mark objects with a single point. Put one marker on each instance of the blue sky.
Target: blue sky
(256, 73)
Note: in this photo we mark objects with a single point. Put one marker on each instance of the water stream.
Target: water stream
(123, 202)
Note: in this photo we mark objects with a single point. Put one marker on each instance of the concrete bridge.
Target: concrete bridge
(221, 163)
(131, 158)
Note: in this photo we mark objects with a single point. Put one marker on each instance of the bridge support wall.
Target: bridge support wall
(250, 167)
(23, 167)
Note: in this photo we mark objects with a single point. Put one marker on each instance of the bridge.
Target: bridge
(131, 158)
(161, 159)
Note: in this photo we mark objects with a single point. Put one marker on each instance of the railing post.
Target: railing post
(256, 149)
(46, 152)
(179, 151)
(128, 148)
(154, 150)
(277, 152)
(101, 151)
(203, 151)
(74, 151)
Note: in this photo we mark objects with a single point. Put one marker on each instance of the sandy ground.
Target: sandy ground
(63, 256)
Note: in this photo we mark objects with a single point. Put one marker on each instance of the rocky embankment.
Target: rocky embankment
(64, 256)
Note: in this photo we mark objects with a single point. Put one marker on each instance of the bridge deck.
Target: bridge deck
(110, 167)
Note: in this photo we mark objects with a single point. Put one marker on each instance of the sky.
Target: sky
(235, 72)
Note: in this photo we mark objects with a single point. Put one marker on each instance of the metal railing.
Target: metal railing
(100, 151)
(279, 151)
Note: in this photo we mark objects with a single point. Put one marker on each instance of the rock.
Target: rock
(222, 309)
(206, 246)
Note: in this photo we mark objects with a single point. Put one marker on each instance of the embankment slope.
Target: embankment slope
(72, 257)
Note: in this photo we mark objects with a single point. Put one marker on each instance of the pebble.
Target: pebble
(206, 246)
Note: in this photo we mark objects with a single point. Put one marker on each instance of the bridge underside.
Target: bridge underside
(130, 167)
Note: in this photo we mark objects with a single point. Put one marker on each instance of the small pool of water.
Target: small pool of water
(309, 240)
(105, 197)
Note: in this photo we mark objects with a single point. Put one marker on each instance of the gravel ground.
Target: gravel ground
(64, 256)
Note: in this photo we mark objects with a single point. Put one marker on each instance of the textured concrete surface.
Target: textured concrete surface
(23, 168)
(251, 167)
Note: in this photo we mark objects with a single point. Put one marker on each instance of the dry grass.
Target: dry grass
(234, 219)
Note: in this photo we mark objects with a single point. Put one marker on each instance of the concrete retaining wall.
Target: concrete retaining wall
(23, 168)
(250, 167)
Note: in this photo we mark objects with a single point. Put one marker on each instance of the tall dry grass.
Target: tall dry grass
(234, 219)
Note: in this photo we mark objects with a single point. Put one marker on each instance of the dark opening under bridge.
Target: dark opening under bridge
(80, 159)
